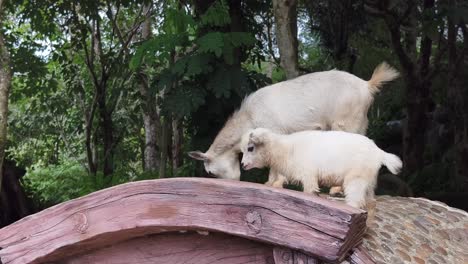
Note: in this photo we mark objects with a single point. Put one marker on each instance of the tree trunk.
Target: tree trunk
(177, 137)
(458, 106)
(416, 124)
(5, 81)
(164, 147)
(107, 134)
(150, 114)
(151, 151)
(417, 95)
(14, 203)
(92, 168)
(88, 117)
(418, 98)
(286, 35)
(105, 114)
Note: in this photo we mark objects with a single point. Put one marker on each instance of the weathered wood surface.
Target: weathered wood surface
(360, 256)
(283, 255)
(188, 248)
(291, 219)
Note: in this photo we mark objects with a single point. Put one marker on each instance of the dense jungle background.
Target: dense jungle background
(100, 92)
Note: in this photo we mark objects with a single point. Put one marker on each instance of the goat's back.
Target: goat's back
(302, 103)
(334, 151)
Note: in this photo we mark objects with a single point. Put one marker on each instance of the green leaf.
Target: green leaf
(211, 42)
(216, 15)
(184, 100)
(238, 39)
(159, 47)
(179, 66)
(198, 64)
(220, 83)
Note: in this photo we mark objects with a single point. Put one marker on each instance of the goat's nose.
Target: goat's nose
(242, 164)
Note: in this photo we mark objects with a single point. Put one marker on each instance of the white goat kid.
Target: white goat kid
(321, 158)
(327, 100)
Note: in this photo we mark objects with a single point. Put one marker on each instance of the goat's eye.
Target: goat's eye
(250, 149)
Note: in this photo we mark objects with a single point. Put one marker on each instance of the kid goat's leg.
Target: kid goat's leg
(310, 184)
(275, 179)
(356, 191)
(336, 191)
(359, 193)
(271, 178)
(370, 206)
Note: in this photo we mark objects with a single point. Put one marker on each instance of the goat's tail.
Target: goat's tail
(392, 162)
(382, 74)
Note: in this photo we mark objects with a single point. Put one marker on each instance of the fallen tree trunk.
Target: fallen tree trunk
(317, 227)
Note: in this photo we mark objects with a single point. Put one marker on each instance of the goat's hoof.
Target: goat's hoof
(336, 191)
(337, 194)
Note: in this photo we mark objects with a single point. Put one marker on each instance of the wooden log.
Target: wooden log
(313, 225)
(283, 255)
(188, 248)
(360, 256)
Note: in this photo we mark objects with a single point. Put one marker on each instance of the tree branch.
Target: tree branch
(113, 18)
(405, 60)
(426, 45)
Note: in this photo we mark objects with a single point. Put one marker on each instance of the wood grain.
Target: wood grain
(313, 225)
(360, 256)
(188, 248)
(283, 255)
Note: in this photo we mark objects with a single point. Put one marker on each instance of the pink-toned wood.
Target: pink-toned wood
(360, 256)
(172, 248)
(283, 255)
(292, 219)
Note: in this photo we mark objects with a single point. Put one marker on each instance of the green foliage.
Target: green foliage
(55, 184)
(216, 15)
(433, 178)
(211, 42)
(158, 49)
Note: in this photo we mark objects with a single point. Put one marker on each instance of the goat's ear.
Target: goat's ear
(257, 138)
(198, 155)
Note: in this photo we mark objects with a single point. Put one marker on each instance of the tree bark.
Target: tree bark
(417, 92)
(164, 147)
(107, 131)
(5, 81)
(286, 35)
(458, 98)
(177, 138)
(151, 151)
(150, 114)
(105, 114)
(92, 167)
(13, 200)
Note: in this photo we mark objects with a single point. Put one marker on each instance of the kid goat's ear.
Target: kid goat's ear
(257, 138)
(198, 155)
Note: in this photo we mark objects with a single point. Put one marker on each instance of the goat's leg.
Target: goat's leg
(356, 192)
(280, 179)
(370, 206)
(336, 191)
(271, 178)
(310, 184)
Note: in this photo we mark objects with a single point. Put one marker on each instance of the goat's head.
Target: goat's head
(253, 149)
(224, 165)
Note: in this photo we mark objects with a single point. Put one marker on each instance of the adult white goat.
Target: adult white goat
(321, 158)
(327, 100)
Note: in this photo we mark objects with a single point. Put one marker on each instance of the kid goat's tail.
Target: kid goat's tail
(392, 162)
